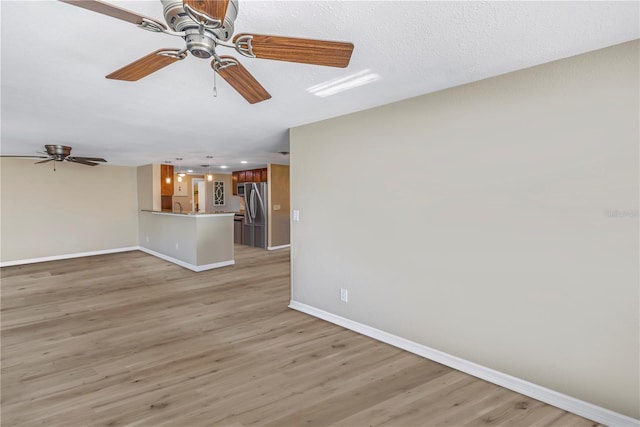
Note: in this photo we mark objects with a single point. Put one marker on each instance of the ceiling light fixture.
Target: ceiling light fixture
(223, 167)
(244, 162)
(332, 87)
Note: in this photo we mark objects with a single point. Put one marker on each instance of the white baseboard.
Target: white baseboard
(275, 248)
(562, 401)
(67, 256)
(196, 268)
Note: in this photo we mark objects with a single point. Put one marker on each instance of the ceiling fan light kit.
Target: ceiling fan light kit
(205, 25)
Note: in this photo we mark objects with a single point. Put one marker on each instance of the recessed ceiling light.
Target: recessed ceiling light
(331, 87)
(190, 170)
(244, 162)
(223, 167)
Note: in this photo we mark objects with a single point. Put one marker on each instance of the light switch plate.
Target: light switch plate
(296, 215)
(276, 207)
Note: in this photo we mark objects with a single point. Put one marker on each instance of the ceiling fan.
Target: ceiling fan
(208, 24)
(60, 153)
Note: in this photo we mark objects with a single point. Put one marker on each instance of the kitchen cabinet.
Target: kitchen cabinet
(238, 229)
(166, 180)
(166, 186)
(234, 183)
(253, 175)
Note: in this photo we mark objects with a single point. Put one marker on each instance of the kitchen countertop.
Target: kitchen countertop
(190, 214)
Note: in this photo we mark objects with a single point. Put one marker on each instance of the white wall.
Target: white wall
(493, 239)
(74, 210)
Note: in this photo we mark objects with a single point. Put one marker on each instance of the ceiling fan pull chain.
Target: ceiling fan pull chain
(215, 89)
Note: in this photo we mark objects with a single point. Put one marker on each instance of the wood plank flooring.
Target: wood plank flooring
(131, 340)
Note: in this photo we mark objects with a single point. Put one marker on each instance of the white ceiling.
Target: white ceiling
(55, 57)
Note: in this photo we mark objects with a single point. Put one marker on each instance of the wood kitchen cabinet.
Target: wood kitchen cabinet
(253, 175)
(166, 186)
(234, 183)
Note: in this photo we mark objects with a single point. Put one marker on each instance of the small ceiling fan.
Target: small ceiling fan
(60, 153)
(208, 24)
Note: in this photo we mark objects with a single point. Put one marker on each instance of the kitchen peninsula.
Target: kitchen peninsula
(197, 241)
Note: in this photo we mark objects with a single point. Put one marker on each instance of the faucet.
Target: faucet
(179, 205)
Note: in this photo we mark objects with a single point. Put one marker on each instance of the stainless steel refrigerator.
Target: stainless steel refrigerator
(255, 214)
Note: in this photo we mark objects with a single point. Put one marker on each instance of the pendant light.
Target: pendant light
(181, 174)
(167, 178)
(209, 174)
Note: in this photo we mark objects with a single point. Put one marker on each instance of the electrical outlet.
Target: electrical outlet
(344, 295)
(296, 215)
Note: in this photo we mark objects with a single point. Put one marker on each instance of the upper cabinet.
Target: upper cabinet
(166, 177)
(253, 175)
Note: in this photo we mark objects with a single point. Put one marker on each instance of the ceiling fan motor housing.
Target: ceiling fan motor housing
(179, 20)
(58, 152)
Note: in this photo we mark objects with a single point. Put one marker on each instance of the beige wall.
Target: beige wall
(228, 191)
(74, 210)
(149, 187)
(279, 223)
(496, 238)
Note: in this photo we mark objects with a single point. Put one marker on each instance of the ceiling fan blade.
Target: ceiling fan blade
(148, 64)
(44, 161)
(81, 161)
(210, 13)
(119, 13)
(89, 159)
(28, 157)
(307, 51)
(240, 79)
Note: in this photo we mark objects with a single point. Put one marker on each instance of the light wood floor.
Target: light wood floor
(129, 339)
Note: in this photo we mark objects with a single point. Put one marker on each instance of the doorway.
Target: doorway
(198, 195)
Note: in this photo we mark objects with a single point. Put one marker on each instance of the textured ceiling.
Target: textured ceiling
(55, 57)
